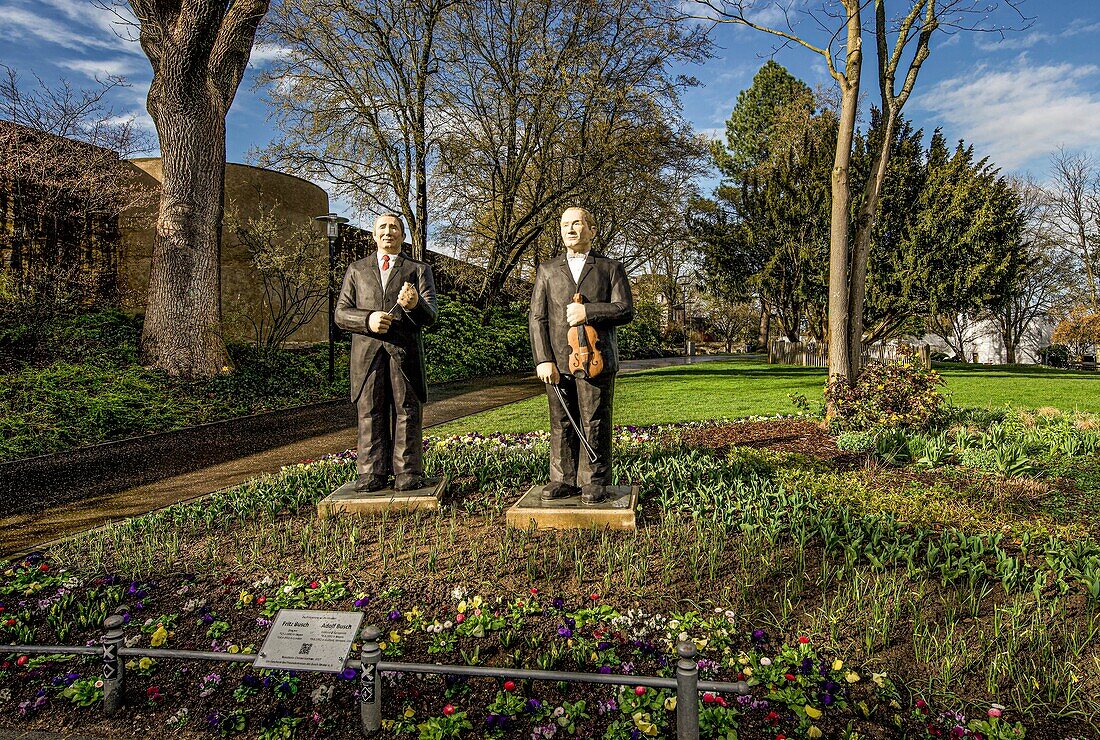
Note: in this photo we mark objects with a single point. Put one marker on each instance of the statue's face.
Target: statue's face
(388, 234)
(576, 231)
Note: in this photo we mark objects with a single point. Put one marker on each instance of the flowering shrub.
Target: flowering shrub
(896, 394)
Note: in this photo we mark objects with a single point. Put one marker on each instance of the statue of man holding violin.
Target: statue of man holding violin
(578, 300)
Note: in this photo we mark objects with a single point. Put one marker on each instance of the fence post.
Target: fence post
(370, 687)
(113, 678)
(687, 693)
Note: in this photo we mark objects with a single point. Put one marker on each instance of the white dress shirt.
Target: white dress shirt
(576, 264)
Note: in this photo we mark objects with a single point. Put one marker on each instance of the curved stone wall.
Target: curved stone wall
(252, 191)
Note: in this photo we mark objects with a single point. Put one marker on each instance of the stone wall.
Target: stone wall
(253, 191)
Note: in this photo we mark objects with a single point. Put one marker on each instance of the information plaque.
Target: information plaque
(306, 640)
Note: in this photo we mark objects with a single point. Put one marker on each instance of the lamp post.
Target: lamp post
(332, 231)
(683, 281)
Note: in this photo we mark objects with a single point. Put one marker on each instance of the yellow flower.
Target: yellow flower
(409, 712)
(462, 605)
(245, 597)
(381, 646)
(233, 649)
(747, 671)
(145, 664)
(838, 664)
(864, 709)
(643, 723)
(812, 712)
(670, 704)
(879, 679)
(851, 677)
(814, 732)
(395, 637)
(159, 637)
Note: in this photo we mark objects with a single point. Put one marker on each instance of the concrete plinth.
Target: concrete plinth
(346, 500)
(569, 513)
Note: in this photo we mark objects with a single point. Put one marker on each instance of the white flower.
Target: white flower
(765, 661)
(459, 593)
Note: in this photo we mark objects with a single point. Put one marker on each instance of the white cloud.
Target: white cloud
(102, 68)
(1021, 112)
(1010, 42)
(76, 25)
(262, 53)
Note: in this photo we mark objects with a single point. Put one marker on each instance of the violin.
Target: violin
(585, 359)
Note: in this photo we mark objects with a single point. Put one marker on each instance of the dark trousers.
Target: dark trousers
(391, 435)
(590, 403)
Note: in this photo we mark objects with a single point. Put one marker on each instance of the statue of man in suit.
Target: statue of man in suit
(607, 303)
(386, 300)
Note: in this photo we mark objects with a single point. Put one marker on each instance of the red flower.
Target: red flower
(10, 623)
(802, 639)
(789, 676)
(21, 660)
(773, 717)
(509, 685)
(44, 567)
(448, 710)
(261, 599)
(720, 701)
(708, 698)
(594, 597)
(639, 690)
(314, 584)
(153, 695)
(781, 736)
(534, 590)
(460, 618)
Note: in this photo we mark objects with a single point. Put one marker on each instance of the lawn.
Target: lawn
(945, 584)
(740, 388)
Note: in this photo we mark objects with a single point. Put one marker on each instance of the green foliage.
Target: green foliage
(461, 345)
(642, 336)
(948, 236)
(83, 692)
(887, 395)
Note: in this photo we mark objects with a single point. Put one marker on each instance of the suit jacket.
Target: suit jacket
(362, 294)
(608, 303)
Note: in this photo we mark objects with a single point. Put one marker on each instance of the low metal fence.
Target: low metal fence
(816, 354)
(370, 665)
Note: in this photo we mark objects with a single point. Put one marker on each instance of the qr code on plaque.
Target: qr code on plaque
(305, 648)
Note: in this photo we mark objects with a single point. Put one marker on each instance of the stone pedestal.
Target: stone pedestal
(346, 500)
(569, 513)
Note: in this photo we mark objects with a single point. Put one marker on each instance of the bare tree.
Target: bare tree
(542, 95)
(354, 99)
(1043, 286)
(903, 44)
(1073, 218)
(62, 163)
(198, 50)
(292, 262)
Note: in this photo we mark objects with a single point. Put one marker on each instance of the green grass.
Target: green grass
(746, 387)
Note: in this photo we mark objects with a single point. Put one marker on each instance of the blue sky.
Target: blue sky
(1016, 99)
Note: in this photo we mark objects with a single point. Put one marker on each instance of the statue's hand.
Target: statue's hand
(379, 322)
(548, 373)
(408, 297)
(575, 314)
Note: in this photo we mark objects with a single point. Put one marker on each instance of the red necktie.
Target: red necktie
(385, 262)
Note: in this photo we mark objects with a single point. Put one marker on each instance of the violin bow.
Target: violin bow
(592, 457)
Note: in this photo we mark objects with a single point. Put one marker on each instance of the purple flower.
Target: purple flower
(348, 674)
(807, 666)
(533, 705)
(759, 635)
(564, 631)
(827, 699)
(394, 615)
(605, 669)
(558, 602)
(360, 603)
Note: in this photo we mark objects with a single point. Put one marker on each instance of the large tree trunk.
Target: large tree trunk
(765, 323)
(865, 224)
(198, 51)
(182, 321)
(839, 354)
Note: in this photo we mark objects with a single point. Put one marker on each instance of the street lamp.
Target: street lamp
(683, 282)
(332, 231)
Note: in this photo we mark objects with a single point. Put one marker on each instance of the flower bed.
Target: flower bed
(844, 623)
